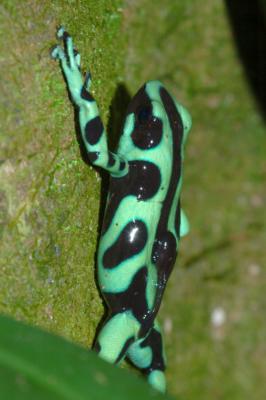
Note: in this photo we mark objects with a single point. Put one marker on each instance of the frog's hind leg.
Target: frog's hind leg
(114, 339)
(148, 355)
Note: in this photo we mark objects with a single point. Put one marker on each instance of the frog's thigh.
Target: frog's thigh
(116, 336)
(148, 355)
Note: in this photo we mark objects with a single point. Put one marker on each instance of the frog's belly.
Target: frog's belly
(125, 248)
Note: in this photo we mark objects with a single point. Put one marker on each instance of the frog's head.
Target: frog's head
(152, 117)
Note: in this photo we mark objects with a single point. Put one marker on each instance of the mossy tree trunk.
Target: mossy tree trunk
(50, 199)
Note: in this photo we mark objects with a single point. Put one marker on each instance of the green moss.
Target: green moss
(49, 196)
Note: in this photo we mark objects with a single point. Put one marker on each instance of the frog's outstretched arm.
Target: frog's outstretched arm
(91, 126)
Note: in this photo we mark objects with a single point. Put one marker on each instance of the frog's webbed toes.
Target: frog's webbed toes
(68, 55)
(57, 53)
(71, 53)
(70, 62)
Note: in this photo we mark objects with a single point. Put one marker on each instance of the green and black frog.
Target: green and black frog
(143, 219)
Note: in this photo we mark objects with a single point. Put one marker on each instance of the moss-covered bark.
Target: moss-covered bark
(49, 198)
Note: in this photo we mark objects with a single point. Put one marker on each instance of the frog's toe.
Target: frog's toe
(69, 48)
(57, 53)
(157, 379)
(60, 32)
(87, 81)
(77, 57)
(54, 52)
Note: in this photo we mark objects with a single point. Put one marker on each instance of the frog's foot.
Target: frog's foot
(156, 379)
(147, 354)
(70, 63)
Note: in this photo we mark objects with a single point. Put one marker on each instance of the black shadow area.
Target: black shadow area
(248, 22)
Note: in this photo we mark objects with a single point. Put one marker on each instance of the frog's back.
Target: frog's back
(141, 226)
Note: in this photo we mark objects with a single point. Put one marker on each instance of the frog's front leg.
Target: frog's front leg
(91, 126)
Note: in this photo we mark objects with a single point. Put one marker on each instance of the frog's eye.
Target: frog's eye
(144, 114)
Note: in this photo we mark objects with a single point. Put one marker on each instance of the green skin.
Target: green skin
(143, 220)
